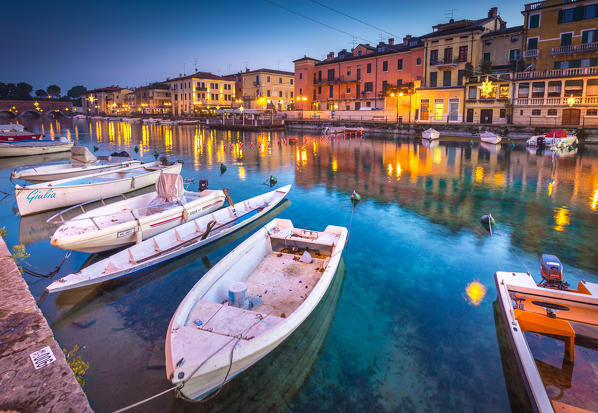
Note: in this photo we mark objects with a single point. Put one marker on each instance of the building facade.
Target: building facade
(264, 89)
(199, 92)
(358, 79)
(151, 99)
(107, 100)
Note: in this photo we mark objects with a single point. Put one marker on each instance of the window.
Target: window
(551, 112)
(291, 93)
(368, 104)
(574, 87)
(487, 57)
(280, 80)
(385, 66)
(400, 64)
(503, 92)
(538, 89)
(532, 43)
(566, 39)
(280, 93)
(433, 79)
(463, 53)
(523, 90)
(330, 74)
(460, 76)
(554, 89)
(592, 112)
(438, 109)
(433, 57)
(291, 81)
(514, 55)
(347, 107)
(300, 77)
(369, 68)
(384, 84)
(330, 91)
(319, 90)
(534, 21)
(268, 79)
(358, 74)
(566, 16)
(300, 90)
(348, 90)
(473, 92)
(319, 75)
(368, 87)
(448, 55)
(268, 92)
(359, 52)
(418, 61)
(446, 78)
(503, 113)
(592, 87)
(589, 36)
(590, 11)
(536, 112)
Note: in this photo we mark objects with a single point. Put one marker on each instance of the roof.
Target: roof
(510, 30)
(198, 75)
(459, 26)
(278, 72)
(388, 49)
(305, 58)
(105, 90)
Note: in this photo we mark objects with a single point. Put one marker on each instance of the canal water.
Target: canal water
(406, 328)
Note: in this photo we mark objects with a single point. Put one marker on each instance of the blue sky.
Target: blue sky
(131, 43)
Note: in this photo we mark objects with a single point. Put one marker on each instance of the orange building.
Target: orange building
(358, 79)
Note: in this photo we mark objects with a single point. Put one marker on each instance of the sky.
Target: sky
(131, 43)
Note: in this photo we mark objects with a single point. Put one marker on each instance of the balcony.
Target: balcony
(531, 53)
(446, 63)
(533, 6)
(335, 80)
(578, 48)
(586, 100)
(578, 71)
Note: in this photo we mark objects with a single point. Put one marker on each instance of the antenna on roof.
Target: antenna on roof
(195, 64)
(184, 69)
(450, 13)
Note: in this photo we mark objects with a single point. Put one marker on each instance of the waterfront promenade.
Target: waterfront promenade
(23, 331)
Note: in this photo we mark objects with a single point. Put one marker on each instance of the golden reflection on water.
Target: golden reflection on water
(594, 199)
(561, 218)
(475, 292)
(168, 139)
(111, 134)
(334, 165)
(242, 173)
(479, 174)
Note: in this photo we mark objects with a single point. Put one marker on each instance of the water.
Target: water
(405, 335)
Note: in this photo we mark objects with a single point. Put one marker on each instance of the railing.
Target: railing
(586, 100)
(531, 53)
(578, 71)
(442, 62)
(340, 79)
(534, 6)
(578, 48)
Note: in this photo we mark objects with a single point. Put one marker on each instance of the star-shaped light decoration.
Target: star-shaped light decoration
(571, 101)
(487, 88)
(91, 99)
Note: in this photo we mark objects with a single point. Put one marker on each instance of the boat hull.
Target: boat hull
(490, 138)
(430, 134)
(32, 176)
(22, 149)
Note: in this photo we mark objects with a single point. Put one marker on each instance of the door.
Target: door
(357, 105)
(571, 117)
(470, 115)
(486, 116)
(453, 109)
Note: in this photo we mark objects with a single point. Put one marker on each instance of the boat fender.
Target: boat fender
(95, 148)
(186, 214)
(136, 149)
(222, 168)
(156, 154)
(273, 181)
(487, 221)
(355, 198)
(203, 185)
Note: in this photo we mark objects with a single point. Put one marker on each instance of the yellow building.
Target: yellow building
(200, 91)
(267, 89)
(152, 99)
(453, 51)
(108, 100)
(560, 84)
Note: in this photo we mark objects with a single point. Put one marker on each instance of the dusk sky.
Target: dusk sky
(131, 43)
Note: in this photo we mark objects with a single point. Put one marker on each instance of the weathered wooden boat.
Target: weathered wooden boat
(490, 137)
(15, 132)
(33, 147)
(83, 162)
(549, 314)
(174, 242)
(71, 191)
(249, 303)
(430, 134)
(135, 219)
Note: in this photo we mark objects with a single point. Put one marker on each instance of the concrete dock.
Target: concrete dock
(23, 331)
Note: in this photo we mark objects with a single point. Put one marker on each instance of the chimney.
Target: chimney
(330, 56)
(247, 70)
(406, 40)
(391, 41)
(493, 12)
(503, 25)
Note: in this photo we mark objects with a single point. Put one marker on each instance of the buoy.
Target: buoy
(470, 143)
(272, 181)
(156, 154)
(487, 221)
(222, 168)
(512, 145)
(355, 198)
(136, 149)
(95, 148)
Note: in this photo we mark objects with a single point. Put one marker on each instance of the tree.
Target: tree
(41, 93)
(23, 90)
(486, 67)
(468, 69)
(54, 91)
(3, 90)
(12, 91)
(76, 91)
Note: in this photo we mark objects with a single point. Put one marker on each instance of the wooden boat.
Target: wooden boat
(83, 162)
(33, 147)
(174, 242)
(490, 137)
(71, 191)
(15, 132)
(249, 303)
(430, 134)
(553, 313)
(135, 219)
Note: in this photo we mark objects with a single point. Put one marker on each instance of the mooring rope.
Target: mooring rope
(41, 272)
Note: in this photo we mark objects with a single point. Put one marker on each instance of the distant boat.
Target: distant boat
(174, 242)
(79, 116)
(83, 162)
(248, 303)
(430, 134)
(33, 147)
(72, 191)
(490, 137)
(15, 132)
(558, 138)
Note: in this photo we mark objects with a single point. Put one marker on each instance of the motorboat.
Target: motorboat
(490, 137)
(71, 191)
(558, 138)
(15, 132)
(133, 220)
(430, 134)
(554, 333)
(173, 243)
(247, 304)
(28, 147)
(83, 162)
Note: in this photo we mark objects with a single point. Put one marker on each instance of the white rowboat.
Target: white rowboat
(173, 243)
(72, 191)
(490, 137)
(79, 166)
(32, 147)
(133, 220)
(430, 134)
(215, 335)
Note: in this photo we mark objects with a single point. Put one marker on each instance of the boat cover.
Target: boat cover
(12, 127)
(80, 154)
(557, 133)
(170, 187)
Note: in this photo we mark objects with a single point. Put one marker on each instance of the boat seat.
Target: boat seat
(542, 324)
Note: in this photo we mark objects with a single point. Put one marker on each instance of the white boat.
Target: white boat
(174, 242)
(430, 134)
(135, 219)
(558, 138)
(33, 147)
(15, 132)
(249, 303)
(83, 162)
(490, 137)
(553, 313)
(72, 191)
(79, 116)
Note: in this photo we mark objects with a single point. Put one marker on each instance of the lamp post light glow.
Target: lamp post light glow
(486, 88)
(571, 101)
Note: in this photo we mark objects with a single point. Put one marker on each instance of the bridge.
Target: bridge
(34, 108)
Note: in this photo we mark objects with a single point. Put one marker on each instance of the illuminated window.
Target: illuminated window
(536, 112)
(503, 92)
(438, 109)
(551, 112)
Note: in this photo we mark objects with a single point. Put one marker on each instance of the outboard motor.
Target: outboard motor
(540, 142)
(203, 185)
(551, 270)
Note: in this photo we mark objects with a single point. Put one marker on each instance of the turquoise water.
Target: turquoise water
(405, 335)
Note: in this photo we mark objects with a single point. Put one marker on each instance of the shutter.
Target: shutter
(561, 16)
(557, 65)
(578, 14)
(594, 61)
(584, 36)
